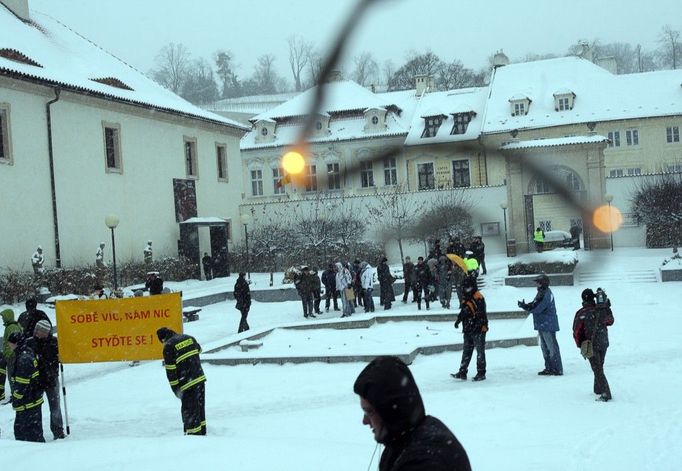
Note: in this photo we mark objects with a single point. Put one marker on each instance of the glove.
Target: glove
(457, 322)
(522, 304)
(178, 393)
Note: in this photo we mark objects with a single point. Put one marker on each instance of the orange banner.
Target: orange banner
(115, 329)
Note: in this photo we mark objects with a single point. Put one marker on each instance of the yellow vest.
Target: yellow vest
(472, 264)
(538, 236)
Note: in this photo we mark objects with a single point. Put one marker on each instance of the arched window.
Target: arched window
(540, 186)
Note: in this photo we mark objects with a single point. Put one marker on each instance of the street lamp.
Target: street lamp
(112, 221)
(608, 199)
(246, 219)
(503, 205)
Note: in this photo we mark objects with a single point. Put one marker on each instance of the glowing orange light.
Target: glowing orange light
(607, 218)
(293, 162)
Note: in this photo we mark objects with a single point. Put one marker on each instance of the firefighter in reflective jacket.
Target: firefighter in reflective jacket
(186, 377)
(27, 396)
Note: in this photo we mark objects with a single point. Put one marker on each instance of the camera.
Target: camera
(600, 297)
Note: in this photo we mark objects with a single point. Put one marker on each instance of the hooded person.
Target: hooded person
(30, 317)
(367, 285)
(394, 410)
(474, 320)
(186, 377)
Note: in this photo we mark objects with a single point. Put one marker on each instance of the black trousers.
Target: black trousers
(408, 288)
(328, 295)
(601, 385)
(194, 410)
(28, 425)
(308, 303)
(417, 295)
(472, 341)
(243, 325)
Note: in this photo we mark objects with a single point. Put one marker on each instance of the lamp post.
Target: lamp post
(112, 221)
(503, 205)
(608, 199)
(246, 219)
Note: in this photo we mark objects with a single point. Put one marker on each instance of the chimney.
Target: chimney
(334, 76)
(18, 7)
(423, 84)
(609, 63)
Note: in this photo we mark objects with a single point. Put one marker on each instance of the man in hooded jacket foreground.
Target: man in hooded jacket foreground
(394, 410)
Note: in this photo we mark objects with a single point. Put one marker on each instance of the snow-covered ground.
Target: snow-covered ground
(306, 416)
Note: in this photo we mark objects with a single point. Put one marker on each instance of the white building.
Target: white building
(84, 135)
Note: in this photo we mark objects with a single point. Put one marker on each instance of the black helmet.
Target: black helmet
(469, 285)
(587, 295)
(542, 280)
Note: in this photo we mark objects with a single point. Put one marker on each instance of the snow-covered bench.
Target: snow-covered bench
(247, 345)
(190, 313)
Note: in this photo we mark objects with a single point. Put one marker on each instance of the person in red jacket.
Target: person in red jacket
(590, 324)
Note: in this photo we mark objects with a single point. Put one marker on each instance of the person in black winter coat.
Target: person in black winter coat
(44, 345)
(186, 377)
(394, 410)
(317, 288)
(30, 317)
(385, 284)
(478, 248)
(305, 285)
(591, 323)
(474, 320)
(456, 247)
(330, 292)
(242, 294)
(27, 396)
(422, 280)
(408, 276)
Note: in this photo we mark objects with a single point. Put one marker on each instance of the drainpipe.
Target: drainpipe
(57, 253)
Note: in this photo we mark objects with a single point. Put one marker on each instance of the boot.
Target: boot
(459, 375)
(480, 376)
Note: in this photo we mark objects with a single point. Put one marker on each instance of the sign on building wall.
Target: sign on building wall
(185, 199)
(115, 329)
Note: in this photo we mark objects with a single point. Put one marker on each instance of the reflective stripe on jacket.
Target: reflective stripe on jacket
(182, 362)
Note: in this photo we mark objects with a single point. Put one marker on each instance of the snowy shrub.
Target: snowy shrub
(16, 286)
(531, 264)
(658, 204)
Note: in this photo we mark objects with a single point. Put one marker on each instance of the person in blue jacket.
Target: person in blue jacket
(546, 322)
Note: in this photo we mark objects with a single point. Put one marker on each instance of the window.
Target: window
(425, 176)
(257, 182)
(112, 147)
(672, 134)
(221, 161)
(5, 156)
(632, 137)
(375, 120)
(366, 174)
(277, 175)
(542, 187)
(635, 171)
(616, 172)
(462, 121)
(614, 138)
(460, 173)
(191, 157)
(519, 109)
(264, 131)
(318, 125)
(432, 125)
(310, 178)
(563, 104)
(334, 176)
(545, 225)
(390, 171)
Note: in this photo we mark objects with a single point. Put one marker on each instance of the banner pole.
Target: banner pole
(66, 412)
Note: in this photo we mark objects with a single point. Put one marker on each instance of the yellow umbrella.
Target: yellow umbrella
(457, 261)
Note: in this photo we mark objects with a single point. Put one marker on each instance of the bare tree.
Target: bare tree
(387, 71)
(419, 64)
(671, 48)
(395, 212)
(265, 75)
(315, 67)
(299, 57)
(200, 87)
(173, 63)
(454, 75)
(366, 69)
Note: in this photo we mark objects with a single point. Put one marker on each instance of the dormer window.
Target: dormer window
(318, 125)
(462, 121)
(265, 130)
(563, 100)
(520, 105)
(375, 119)
(432, 123)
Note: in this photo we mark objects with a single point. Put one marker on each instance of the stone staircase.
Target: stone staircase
(624, 276)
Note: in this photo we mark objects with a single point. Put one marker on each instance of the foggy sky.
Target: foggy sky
(468, 30)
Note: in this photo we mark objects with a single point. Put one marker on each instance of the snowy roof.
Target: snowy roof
(600, 95)
(206, 221)
(339, 96)
(66, 59)
(554, 142)
(448, 103)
